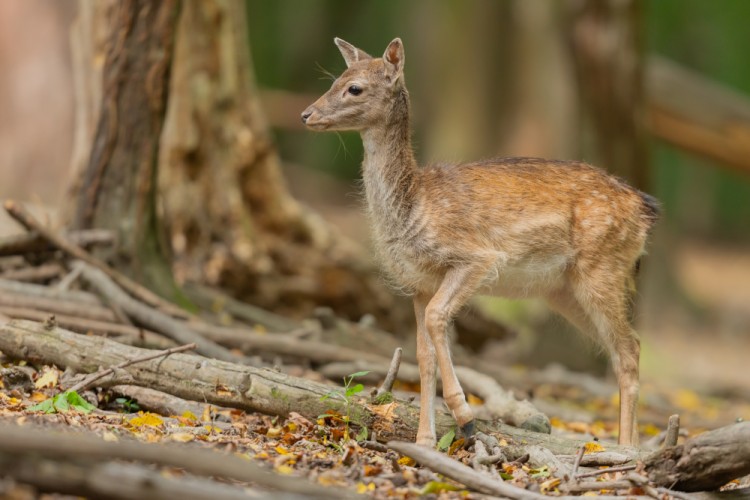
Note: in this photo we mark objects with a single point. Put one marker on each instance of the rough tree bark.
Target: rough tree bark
(117, 188)
(222, 202)
(233, 222)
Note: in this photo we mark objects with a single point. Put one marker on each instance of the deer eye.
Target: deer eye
(355, 90)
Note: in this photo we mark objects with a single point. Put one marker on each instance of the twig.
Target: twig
(130, 335)
(596, 485)
(32, 242)
(621, 468)
(464, 474)
(673, 431)
(19, 213)
(577, 462)
(44, 291)
(390, 376)
(154, 319)
(45, 272)
(68, 279)
(108, 371)
(57, 305)
(374, 445)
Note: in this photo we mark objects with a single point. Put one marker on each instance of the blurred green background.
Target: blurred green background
(291, 42)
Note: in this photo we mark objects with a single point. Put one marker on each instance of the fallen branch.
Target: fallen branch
(159, 402)
(44, 272)
(88, 381)
(125, 334)
(113, 480)
(239, 386)
(443, 464)
(33, 290)
(57, 305)
(33, 242)
(704, 462)
(26, 440)
(152, 318)
(20, 214)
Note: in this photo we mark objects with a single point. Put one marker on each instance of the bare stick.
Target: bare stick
(68, 279)
(577, 462)
(596, 485)
(19, 213)
(110, 479)
(21, 440)
(390, 377)
(108, 371)
(32, 242)
(45, 272)
(621, 468)
(47, 292)
(464, 474)
(673, 431)
(152, 318)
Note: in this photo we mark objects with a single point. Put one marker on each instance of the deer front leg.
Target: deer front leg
(458, 285)
(427, 376)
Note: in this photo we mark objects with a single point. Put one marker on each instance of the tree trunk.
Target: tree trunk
(233, 223)
(607, 51)
(117, 188)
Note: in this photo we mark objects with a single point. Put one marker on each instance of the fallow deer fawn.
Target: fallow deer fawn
(513, 227)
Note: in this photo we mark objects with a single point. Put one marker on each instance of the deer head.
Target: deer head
(363, 95)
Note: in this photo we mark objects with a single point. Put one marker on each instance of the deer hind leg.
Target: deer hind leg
(427, 376)
(458, 285)
(601, 313)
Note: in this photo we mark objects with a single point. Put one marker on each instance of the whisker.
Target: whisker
(327, 75)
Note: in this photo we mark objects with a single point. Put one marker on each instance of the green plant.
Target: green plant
(63, 402)
(346, 395)
(128, 405)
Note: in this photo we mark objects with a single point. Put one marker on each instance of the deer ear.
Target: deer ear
(351, 53)
(394, 60)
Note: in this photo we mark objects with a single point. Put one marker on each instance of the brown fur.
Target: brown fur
(513, 227)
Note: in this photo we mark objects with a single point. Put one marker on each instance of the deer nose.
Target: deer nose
(305, 115)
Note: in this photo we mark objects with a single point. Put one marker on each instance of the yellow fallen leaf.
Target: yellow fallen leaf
(406, 461)
(188, 415)
(48, 379)
(182, 437)
(592, 447)
(274, 432)
(549, 485)
(146, 419)
(37, 397)
(291, 427)
(284, 469)
(281, 450)
(363, 488)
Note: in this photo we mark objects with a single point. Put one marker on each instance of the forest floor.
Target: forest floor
(324, 439)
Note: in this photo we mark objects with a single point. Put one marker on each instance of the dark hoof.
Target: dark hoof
(467, 430)
(537, 423)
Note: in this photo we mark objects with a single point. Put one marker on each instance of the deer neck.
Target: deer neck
(389, 167)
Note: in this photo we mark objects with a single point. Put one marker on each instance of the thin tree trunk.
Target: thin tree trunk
(607, 51)
(117, 188)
